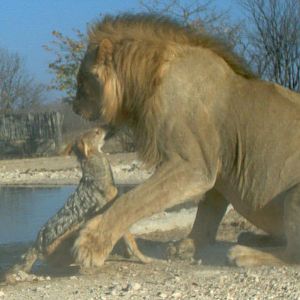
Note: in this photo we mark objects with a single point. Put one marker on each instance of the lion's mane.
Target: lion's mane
(142, 46)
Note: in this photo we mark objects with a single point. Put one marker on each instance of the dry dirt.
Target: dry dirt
(65, 170)
(209, 278)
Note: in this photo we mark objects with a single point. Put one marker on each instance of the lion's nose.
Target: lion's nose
(110, 131)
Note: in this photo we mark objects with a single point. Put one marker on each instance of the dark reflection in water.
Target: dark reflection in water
(24, 210)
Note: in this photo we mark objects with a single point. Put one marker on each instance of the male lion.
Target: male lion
(206, 123)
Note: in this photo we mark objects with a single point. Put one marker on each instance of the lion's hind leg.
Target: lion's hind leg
(292, 224)
(245, 256)
(211, 210)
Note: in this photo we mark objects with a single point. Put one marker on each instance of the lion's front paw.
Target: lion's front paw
(86, 256)
(88, 249)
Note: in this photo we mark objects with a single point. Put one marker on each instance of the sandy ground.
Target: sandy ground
(65, 170)
(209, 278)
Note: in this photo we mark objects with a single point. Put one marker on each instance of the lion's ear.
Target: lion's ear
(104, 51)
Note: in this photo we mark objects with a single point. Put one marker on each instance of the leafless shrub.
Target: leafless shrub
(274, 40)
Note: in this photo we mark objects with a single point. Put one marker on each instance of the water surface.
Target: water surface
(24, 210)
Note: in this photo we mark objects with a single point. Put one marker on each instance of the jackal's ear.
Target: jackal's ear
(104, 52)
(83, 148)
(86, 150)
(68, 150)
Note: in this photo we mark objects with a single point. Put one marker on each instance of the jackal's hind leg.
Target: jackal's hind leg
(134, 249)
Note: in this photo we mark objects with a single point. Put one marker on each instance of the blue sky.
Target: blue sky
(26, 25)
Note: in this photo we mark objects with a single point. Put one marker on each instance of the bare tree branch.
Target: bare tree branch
(274, 39)
(68, 54)
(17, 89)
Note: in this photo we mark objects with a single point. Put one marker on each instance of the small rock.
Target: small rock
(136, 286)
(127, 288)
(2, 294)
(112, 290)
(176, 295)
(162, 295)
(41, 278)
(34, 277)
(22, 276)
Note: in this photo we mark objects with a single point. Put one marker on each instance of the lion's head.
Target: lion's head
(123, 68)
(98, 89)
